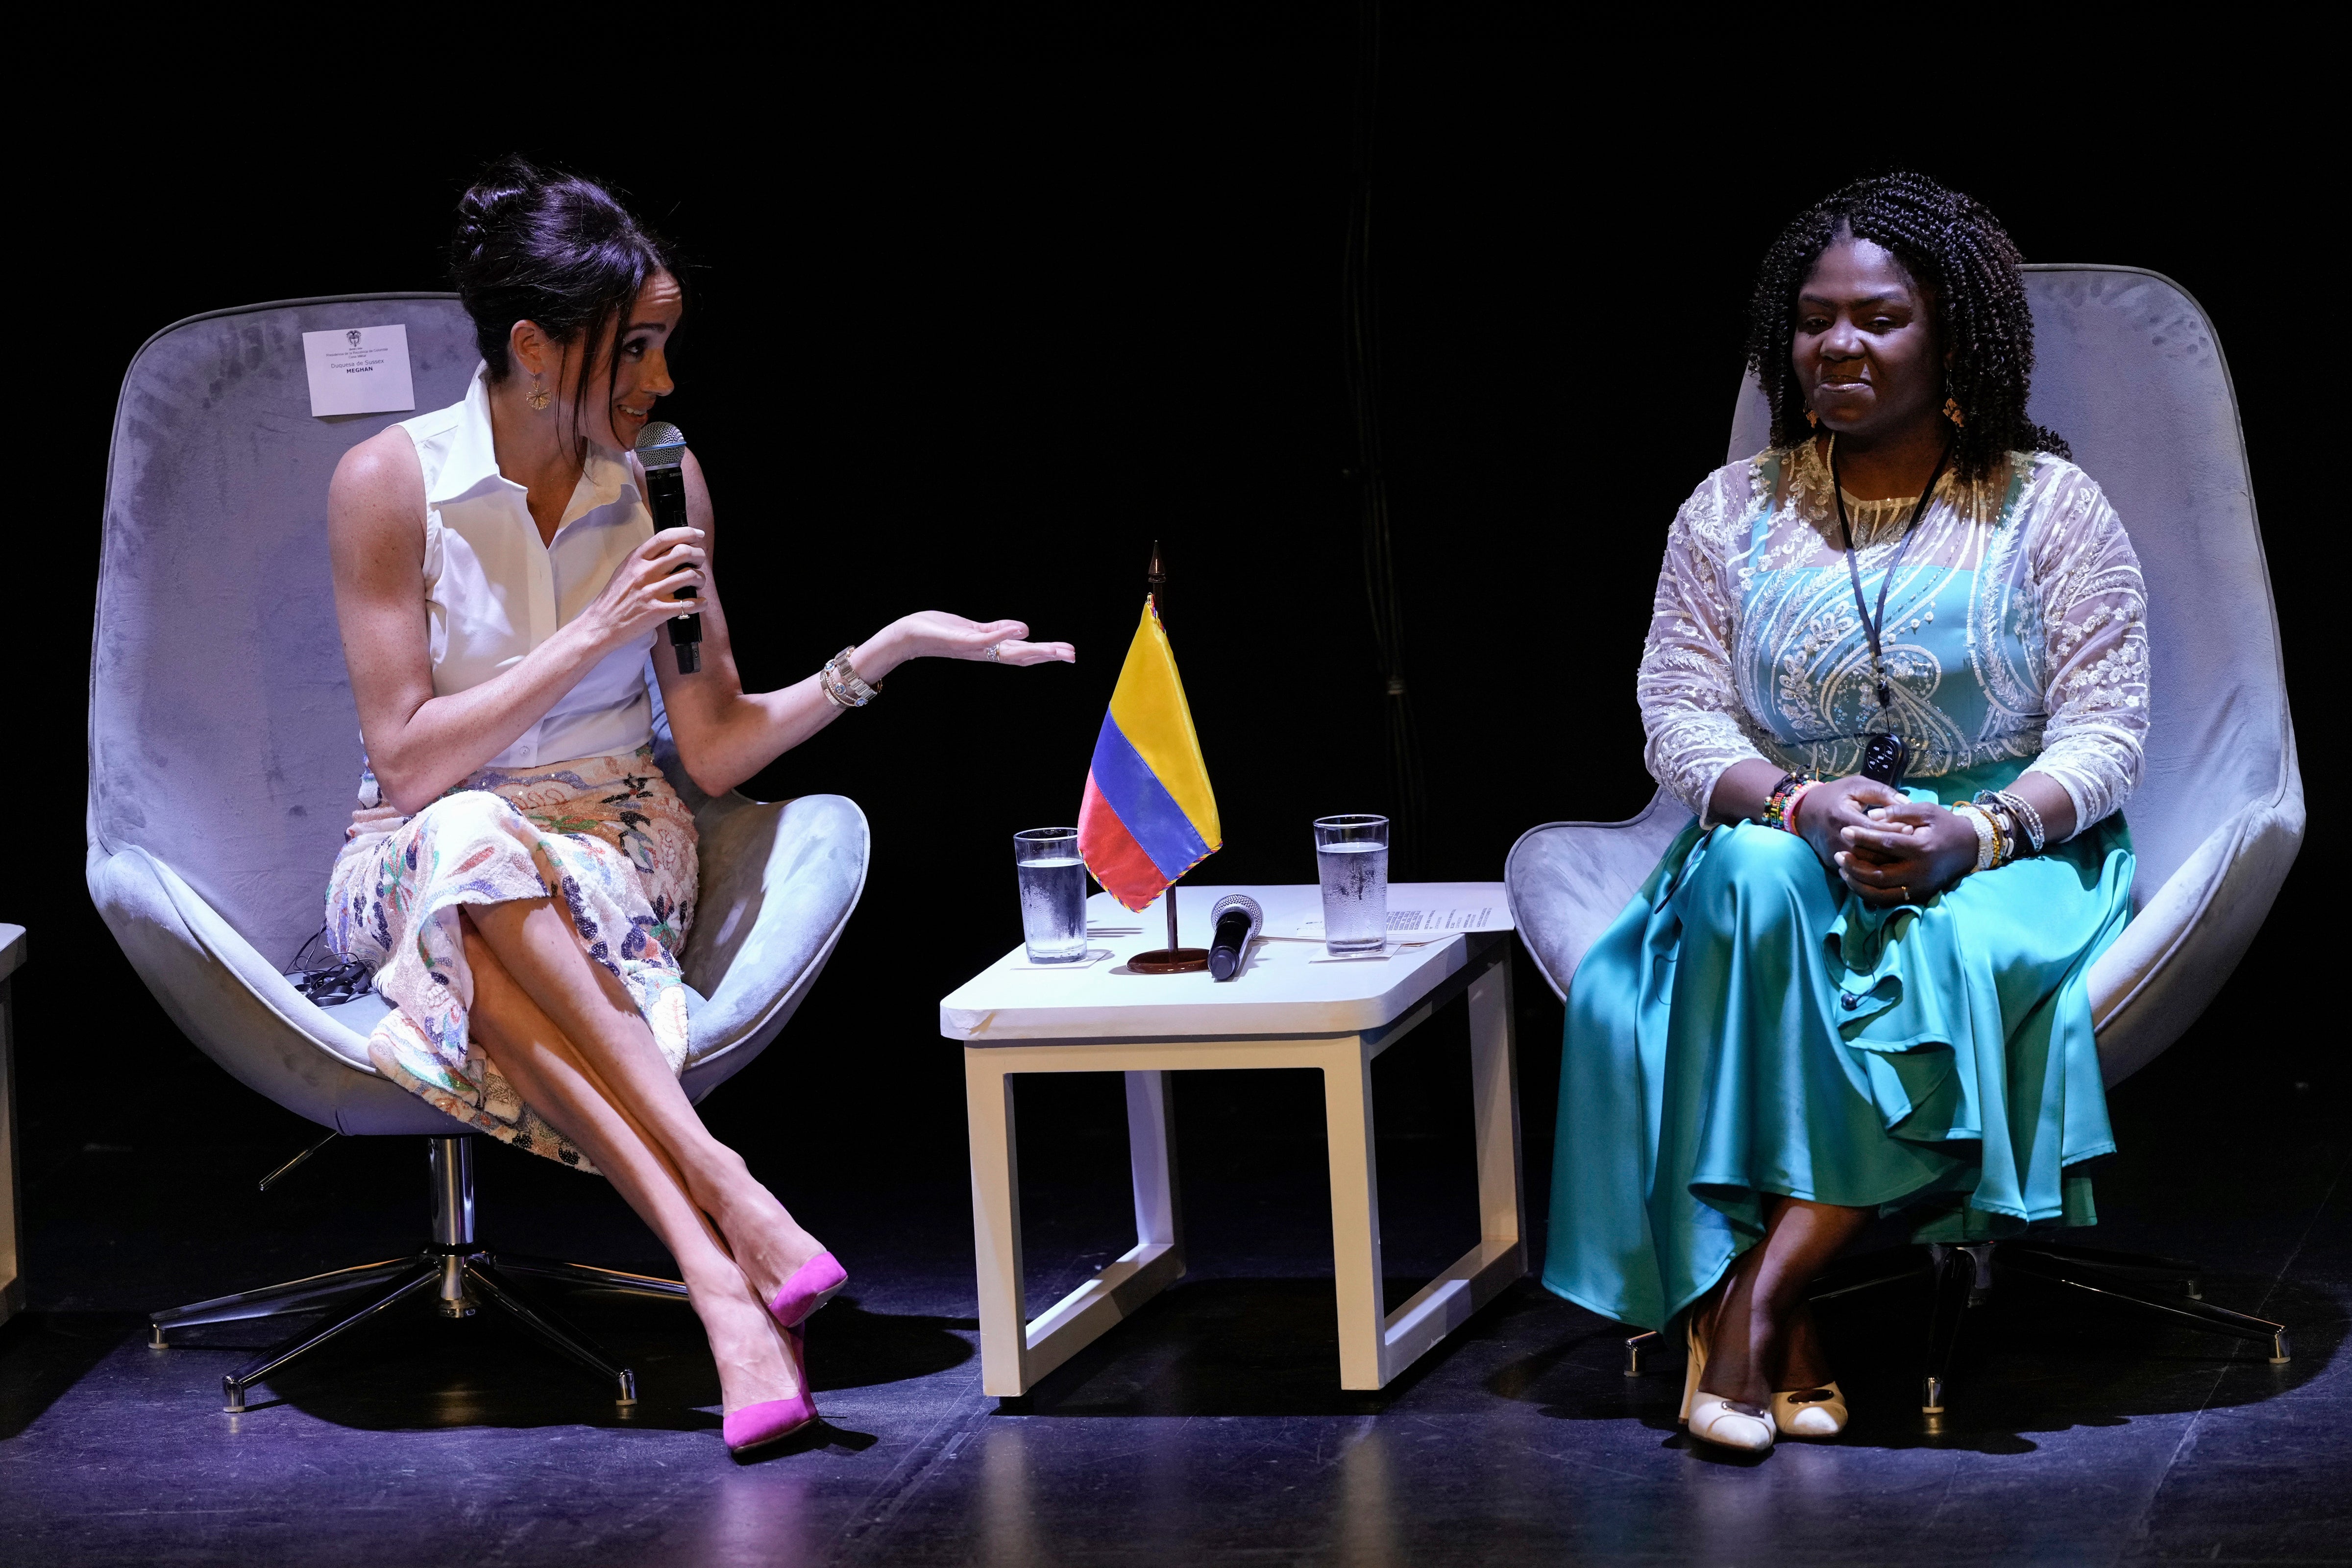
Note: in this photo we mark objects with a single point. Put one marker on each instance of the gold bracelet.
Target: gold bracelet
(843, 684)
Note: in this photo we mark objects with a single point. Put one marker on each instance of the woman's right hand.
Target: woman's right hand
(642, 592)
(1831, 808)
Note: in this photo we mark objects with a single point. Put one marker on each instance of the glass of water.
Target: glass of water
(1052, 894)
(1351, 860)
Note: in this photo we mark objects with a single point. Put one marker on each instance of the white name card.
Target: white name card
(359, 369)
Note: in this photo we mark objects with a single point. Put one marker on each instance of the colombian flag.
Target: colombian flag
(1148, 814)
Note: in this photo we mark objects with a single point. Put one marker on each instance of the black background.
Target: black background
(977, 318)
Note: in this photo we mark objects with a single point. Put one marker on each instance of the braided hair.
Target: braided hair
(1963, 261)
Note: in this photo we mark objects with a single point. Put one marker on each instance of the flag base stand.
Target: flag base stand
(1170, 961)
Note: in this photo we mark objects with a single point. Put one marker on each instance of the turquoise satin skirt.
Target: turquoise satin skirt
(1747, 1028)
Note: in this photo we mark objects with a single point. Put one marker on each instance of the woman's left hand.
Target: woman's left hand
(1911, 853)
(935, 634)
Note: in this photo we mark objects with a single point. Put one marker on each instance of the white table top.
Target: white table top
(1285, 986)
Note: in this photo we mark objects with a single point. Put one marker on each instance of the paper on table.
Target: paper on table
(1488, 917)
(359, 369)
(1417, 926)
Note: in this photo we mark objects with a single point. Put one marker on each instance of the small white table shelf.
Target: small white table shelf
(1291, 1007)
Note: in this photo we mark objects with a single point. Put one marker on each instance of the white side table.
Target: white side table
(1290, 1007)
(12, 1209)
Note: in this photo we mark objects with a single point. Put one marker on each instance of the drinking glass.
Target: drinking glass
(1351, 861)
(1052, 894)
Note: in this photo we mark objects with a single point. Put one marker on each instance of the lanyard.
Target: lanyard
(1870, 628)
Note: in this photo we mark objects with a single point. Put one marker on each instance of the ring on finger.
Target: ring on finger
(995, 653)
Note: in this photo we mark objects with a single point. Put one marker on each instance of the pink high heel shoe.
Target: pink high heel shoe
(812, 1284)
(771, 1420)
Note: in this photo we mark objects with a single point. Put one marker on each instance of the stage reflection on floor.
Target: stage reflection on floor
(1211, 1428)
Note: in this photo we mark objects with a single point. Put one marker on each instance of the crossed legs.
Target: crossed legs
(1759, 1332)
(564, 1033)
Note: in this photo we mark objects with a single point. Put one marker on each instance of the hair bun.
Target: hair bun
(504, 190)
(556, 250)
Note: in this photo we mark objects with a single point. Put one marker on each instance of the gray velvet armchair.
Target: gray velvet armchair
(223, 759)
(2130, 372)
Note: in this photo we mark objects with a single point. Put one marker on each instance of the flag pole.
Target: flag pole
(1155, 578)
(1175, 960)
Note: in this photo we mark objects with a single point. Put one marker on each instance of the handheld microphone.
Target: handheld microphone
(1235, 918)
(661, 447)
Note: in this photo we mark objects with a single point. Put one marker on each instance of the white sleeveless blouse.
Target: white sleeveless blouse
(493, 592)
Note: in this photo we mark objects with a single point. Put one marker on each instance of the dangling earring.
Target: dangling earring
(1952, 410)
(1812, 418)
(539, 395)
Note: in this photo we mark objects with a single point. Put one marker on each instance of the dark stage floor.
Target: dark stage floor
(1209, 1429)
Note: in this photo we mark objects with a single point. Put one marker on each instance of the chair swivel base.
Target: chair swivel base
(1964, 1277)
(466, 1279)
(2129, 1279)
(461, 1273)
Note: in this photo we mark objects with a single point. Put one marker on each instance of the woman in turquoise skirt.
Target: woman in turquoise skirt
(1841, 995)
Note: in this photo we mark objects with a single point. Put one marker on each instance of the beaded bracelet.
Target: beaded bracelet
(1990, 840)
(1796, 799)
(2002, 808)
(1776, 805)
(2021, 812)
(1988, 835)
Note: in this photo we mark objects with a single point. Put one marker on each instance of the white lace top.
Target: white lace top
(2016, 630)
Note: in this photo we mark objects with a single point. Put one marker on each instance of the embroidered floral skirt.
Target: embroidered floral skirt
(606, 836)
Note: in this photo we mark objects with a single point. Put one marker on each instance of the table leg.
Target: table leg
(1152, 1158)
(1118, 1289)
(1355, 1212)
(996, 1224)
(1476, 1278)
(1372, 1358)
(1495, 1107)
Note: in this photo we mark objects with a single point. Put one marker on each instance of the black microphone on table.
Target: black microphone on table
(661, 447)
(1234, 918)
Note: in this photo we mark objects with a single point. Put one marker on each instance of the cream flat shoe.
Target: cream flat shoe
(1717, 1420)
(1810, 1412)
(1713, 1418)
